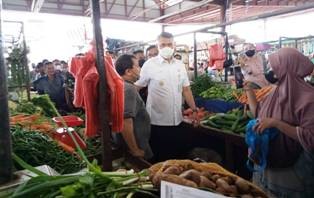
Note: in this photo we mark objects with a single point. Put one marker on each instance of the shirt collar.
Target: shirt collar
(162, 60)
(130, 82)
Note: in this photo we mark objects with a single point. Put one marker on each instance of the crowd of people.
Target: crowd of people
(156, 84)
(288, 108)
(54, 79)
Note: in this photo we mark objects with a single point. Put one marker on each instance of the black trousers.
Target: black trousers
(168, 142)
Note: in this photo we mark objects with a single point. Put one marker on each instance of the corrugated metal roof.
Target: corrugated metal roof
(152, 10)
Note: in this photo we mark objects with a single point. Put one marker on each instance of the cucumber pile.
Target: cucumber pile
(234, 121)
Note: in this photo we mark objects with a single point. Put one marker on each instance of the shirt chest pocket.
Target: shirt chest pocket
(159, 79)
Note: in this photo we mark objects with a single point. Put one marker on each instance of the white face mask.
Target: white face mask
(58, 67)
(166, 52)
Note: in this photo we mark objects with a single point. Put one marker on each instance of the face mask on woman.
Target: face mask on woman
(270, 75)
(250, 53)
(166, 52)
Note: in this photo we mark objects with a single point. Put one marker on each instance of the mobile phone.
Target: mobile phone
(239, 78)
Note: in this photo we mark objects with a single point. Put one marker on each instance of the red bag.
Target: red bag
(217, 56)
(86, 92)
(216, 52)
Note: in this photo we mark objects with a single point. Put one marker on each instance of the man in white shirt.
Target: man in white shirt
(167, 82)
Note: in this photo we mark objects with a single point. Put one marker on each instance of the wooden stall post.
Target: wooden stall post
(103, 107)
(195, 54)
(5, 139)
(223, 19)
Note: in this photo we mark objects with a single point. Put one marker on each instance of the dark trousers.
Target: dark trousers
(168, 142)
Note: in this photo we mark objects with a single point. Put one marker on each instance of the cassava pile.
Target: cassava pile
(207, 176)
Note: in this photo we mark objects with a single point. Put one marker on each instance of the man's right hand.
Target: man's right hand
(137, 153)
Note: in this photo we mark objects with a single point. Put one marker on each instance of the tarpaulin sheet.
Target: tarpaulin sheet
(216, 106)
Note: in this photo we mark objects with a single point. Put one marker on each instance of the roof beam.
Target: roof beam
(129, 6)
(107, 10)
(218, 2)
(36, 5)
(29, 4)
(106, 6)
(131, 10)
(204, 2)
(82, 3)
(268, 2)
(119, 16)
(110, 8)
(197, 14)
(143, 12)
(60, 4)
(144, 8)
(190, 13)
(125, 7)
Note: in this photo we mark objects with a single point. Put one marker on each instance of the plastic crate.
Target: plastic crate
(70, 120)
(63, 136)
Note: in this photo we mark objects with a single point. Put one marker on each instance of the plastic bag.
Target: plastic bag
(258, 145)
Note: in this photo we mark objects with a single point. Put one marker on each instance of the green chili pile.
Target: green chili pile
(38, 149)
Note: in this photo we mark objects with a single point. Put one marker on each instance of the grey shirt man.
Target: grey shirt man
(134, 108)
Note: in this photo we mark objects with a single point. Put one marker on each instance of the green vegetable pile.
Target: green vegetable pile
(91, 184)
(200, 84)
(27, 107)
(38, 149)
(93, 147)
(219, 91)
(234, 121)
(44, 102)
(38, 104)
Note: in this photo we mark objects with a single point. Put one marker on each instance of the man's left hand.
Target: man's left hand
(265, 123)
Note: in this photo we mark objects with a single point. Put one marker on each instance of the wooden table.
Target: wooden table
(235, 148)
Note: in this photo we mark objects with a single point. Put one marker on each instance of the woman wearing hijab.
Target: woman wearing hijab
(253, 66)
(289, 108)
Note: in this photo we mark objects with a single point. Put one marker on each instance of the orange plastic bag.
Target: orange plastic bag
(217, 56)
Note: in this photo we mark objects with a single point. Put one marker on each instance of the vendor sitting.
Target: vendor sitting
(136, 132)
(53, 85)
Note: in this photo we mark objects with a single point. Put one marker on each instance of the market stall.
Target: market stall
(33, 127)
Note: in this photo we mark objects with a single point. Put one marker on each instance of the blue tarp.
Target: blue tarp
(216, 106)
